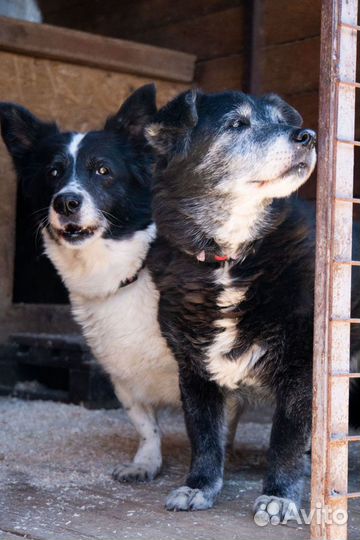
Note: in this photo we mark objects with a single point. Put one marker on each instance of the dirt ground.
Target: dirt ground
(55, 479)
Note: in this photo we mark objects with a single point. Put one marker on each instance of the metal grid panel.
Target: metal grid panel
(335, 200)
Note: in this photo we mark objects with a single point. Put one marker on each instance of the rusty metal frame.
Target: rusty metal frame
(335, 200)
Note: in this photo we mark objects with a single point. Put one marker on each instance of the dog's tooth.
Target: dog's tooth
(201, 256)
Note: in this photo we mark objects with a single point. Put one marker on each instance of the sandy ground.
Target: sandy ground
(55, 479)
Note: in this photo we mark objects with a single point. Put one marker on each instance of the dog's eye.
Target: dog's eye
(54, 172)
(103, 171)
(240, 122)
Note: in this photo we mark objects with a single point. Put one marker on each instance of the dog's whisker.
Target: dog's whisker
(42, 224)
(45, 209)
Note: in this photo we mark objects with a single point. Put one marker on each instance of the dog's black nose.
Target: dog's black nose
(306, 137)
(67, 203)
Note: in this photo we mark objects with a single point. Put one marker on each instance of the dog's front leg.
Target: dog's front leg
(283, 484)
(203, 404)
(147, 462)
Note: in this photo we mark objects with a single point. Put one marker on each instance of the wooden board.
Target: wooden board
(77, 47)
(291, 68)
(123, 19)
(207, 36)
(220, 74)
(286, 21)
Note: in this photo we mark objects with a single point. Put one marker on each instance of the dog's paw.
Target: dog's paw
(274, 510)
(186, 498)
(134, 472)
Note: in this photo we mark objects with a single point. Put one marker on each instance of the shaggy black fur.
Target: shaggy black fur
(274, 267)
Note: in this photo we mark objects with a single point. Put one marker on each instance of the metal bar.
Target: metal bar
(347, 438)
(354, 375)
(351, 200)
(354, 495)
(349, 83)
(351, 321)
(355, 27)
(347, 263)
(352, 143)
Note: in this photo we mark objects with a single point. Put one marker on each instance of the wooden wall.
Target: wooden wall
(217, 32)
(212, 29)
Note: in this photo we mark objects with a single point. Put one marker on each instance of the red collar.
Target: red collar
(221, 259)
(206, 257)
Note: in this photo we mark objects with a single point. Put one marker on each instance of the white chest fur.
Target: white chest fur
(120, 325)
(230, 372)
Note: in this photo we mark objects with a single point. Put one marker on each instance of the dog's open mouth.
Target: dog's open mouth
(75, 233)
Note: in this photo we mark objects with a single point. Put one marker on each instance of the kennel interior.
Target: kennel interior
(255, 45)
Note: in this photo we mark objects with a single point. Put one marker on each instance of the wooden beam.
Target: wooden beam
(255, 45)
(76, 47)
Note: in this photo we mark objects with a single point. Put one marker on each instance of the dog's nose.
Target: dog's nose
(67, 203)
(306, 137)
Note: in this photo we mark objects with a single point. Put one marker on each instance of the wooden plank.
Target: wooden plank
(287, 69)
(286, 21)
(291, 68)
(221, 74)
(81, 48)
(203, 36)
(123, 19)
(36, 318)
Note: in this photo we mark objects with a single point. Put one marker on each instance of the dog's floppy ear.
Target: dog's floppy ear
(173, 123)
(21, 130)
(288, 113)
(137, 111)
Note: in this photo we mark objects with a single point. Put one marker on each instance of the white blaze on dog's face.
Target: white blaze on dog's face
(84, 186)
(223, 158)
(74, 218)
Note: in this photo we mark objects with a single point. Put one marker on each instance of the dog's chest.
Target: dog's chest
(201, 317)
(124, 334)
(227, 368)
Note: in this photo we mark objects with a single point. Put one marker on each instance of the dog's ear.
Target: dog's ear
(137, 111)
(288, 113)
(21, 130)
(172, 125)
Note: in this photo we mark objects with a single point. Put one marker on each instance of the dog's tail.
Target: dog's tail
(354, 404)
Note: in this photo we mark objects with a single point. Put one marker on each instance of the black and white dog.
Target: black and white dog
(93, 193)
(90, 193)
(234, 264)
